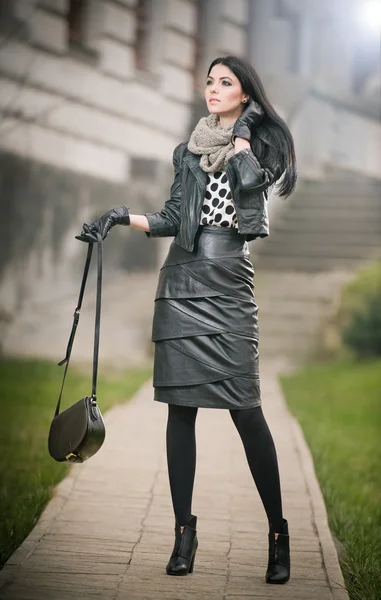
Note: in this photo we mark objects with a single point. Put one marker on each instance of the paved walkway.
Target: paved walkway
(108, 532)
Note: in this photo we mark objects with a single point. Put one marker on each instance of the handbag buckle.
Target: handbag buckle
(70, 455)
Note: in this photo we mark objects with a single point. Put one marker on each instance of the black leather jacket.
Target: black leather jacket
(181, 215)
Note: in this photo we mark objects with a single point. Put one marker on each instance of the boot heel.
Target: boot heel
(192, 563)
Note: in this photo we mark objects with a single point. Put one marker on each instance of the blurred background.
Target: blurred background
(94, 97)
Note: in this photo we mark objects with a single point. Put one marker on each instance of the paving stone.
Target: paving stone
(75, 564)
(83, 543)
(109, 530)
(98, 530)
(63, 582)
(167, 593)
(35, 593)
(271, 594)
(255, 585)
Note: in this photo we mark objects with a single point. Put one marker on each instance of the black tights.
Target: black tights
(260, 452)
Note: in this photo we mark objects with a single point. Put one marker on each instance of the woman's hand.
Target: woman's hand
(102, 225)
(251, 117)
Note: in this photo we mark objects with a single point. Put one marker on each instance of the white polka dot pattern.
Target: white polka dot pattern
(218, 207)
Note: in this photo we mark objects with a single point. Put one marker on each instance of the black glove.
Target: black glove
(115, 216)
(251, 117)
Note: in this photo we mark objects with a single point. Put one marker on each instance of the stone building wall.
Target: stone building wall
(91, 110)
(93, 103)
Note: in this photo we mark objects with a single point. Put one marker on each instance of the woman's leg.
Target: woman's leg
(261, 455)
(181, 459)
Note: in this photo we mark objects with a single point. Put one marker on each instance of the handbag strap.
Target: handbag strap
(66, 360)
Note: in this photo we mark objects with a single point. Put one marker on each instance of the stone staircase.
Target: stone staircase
(326, 231)
(327, 226)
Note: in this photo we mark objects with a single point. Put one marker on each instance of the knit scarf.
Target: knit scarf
(213, 143)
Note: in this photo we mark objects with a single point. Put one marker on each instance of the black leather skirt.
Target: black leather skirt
(205, 324)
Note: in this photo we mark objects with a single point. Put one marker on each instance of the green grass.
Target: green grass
(339, 408)
(29, 393)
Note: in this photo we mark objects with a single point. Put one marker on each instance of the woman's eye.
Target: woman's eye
(225, 82)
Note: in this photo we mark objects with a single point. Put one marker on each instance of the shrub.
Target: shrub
(363, 331)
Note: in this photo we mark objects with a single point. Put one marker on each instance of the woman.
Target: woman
(205, 320)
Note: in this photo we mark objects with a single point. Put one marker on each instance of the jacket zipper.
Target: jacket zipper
(186, 214)
(227, 169)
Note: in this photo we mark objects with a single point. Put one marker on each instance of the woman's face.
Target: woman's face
(223, 93)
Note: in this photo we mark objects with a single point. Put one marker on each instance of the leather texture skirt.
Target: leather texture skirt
(205, 324)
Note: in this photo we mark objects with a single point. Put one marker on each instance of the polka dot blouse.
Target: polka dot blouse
(218, 207)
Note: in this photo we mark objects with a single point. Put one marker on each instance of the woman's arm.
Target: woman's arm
(240, 144)
(159, 224)
(166, 222)
(139, 222)
(251, 176)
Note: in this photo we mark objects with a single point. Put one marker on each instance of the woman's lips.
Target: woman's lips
(213, 100)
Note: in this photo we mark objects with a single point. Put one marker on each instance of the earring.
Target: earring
(244, 101)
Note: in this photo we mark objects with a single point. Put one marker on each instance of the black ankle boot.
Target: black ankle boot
(184, 550)
(278, 570)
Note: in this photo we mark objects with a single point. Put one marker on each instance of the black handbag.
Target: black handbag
(78, 432)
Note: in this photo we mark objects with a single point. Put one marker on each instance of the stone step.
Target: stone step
(338, 202)
(295, 346)
(288, 327)
(303, 286)
(276, 315)
(318, 242)
(335, 186)
(350, 191)
(335, 173)
(325, 224)
(341, 208)
(337, 216)
(290, 306)
(353, 192)
(307, 264)
(291, 248)
(358, 205)
(291, 317)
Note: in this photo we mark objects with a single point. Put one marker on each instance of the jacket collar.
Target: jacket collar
(193, 162)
